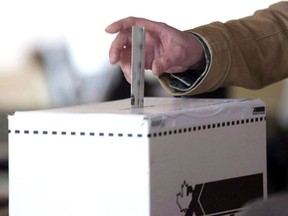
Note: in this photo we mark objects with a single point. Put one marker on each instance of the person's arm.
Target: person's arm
(251, 52)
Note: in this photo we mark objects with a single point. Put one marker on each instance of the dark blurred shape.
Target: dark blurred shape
(277, 158)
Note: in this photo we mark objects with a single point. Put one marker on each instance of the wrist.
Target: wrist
(204, 60)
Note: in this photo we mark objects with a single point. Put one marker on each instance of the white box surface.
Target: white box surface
(174, 157)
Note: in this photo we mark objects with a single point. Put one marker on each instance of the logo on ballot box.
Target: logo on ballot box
(223, 197)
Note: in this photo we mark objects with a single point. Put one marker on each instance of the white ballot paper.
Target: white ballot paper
(137, 67)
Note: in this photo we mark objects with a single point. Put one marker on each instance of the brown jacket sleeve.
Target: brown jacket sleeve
(251, 52)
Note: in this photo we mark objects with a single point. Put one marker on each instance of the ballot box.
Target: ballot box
(173, 157)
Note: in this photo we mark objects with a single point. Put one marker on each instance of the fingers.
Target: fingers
(120, 50)
(121, 25)
(127, 23)
(123, 39)
(125, 63)
(121, 42)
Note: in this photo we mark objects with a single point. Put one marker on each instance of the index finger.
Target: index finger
(121, 25)
(127, 23)
(120, 43)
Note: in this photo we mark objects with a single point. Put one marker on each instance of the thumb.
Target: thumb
(160, 65)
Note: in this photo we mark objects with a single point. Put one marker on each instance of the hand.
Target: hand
(166, 49)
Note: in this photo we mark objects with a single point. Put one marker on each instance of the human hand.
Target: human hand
(166, 49)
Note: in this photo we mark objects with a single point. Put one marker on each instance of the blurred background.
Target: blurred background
(54, 53)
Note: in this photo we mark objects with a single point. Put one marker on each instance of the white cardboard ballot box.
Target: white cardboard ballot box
(174, 157)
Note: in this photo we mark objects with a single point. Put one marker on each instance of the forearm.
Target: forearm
(251, 52)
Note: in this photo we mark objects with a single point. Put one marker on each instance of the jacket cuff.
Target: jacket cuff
(187, 80)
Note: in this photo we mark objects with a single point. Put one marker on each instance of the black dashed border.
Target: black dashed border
(150, 135)
(207, 126)
(73, 133)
